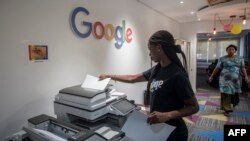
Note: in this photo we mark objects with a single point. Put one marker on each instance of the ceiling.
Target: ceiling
(195, 10)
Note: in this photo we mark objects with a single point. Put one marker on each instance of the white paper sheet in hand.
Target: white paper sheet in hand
(137, 128)
(92, 82)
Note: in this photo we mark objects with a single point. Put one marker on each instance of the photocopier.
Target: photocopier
(82, 115)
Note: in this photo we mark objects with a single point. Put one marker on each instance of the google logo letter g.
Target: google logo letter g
(108, 31)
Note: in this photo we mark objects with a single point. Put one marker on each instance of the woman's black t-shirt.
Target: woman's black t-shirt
(169, 88)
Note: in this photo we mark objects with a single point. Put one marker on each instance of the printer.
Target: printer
(90, 105)
(82, 115)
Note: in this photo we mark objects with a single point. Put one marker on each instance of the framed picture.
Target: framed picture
(38, 52)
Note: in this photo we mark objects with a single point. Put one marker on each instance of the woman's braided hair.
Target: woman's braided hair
(166, 40)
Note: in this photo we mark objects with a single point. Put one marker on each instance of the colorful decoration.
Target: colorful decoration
(228, 27)
(236, 29)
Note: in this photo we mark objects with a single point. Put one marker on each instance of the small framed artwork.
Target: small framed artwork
(38, 52)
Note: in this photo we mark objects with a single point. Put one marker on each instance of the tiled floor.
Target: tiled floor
(208, 123)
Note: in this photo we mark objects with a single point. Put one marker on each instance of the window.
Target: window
(210, 50)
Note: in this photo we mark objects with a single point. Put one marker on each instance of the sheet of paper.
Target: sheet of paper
(92, 82)
(137, 128)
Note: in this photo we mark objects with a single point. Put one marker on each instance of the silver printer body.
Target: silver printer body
(87, 104)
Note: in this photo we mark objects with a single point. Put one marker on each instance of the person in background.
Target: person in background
(231, 67)
(171, 94)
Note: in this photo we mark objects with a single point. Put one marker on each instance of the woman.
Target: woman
(231, 67)
(171, 94)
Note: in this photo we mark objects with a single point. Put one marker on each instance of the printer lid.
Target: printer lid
(80, 91)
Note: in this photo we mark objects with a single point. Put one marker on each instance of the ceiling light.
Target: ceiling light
(192, 12)
(244, 20)
(181, 2)
(214, 30)
(244, 17)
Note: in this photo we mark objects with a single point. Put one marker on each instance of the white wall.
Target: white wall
(28, 88)
(188, 32)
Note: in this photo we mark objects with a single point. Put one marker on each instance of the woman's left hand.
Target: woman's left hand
(247, 79)
(158, 117)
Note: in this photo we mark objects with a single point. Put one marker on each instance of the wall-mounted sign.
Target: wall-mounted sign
(100, 30)
(38, 52)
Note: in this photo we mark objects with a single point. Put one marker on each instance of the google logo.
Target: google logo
(100, 30)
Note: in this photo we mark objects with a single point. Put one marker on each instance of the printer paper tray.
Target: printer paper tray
(61, 110)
